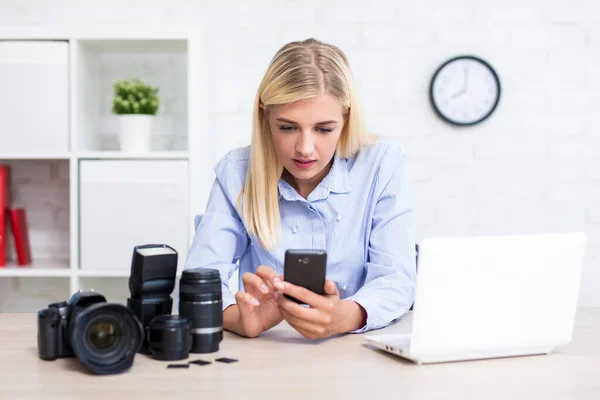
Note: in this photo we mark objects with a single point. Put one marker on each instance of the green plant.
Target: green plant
(132, 96)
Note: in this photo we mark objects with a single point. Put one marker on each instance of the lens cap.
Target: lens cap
(169, 337)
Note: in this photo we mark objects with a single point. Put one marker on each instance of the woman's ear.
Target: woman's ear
(262, 109)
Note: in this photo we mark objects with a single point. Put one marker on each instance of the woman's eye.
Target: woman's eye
(290, 128)
(286, 128)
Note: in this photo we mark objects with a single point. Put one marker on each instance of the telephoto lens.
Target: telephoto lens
(170, 337)
(200, 301)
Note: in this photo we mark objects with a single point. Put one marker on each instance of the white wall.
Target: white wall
(533, 167)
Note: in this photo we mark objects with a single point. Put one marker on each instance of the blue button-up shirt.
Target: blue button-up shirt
(361, 214)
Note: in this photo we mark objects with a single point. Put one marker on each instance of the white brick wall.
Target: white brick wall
(42, 188)
(534, 166)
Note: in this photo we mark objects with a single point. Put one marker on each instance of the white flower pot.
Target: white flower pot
(135, 132)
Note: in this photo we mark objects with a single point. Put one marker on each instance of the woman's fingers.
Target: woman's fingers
(269, 275)
(307, 296)
(252, 281)
(306, 328)
(309, 314)
(246, 299)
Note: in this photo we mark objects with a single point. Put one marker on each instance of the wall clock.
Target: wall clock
(465, 90)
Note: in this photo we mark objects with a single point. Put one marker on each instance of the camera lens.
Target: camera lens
(200, 300)
(170, 337)
(305, 260)
(105, 337)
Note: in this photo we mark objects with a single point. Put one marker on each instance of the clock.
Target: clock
(465, 90)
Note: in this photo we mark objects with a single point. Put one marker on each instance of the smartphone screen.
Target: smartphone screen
(306, 268)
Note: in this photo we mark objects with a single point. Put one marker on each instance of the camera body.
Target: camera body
(53, 324)
(103, 336)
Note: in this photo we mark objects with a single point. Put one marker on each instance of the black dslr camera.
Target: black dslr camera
(103, 336)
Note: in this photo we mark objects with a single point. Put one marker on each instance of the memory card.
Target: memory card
(178, 366)
(200, 362)
(226, 360)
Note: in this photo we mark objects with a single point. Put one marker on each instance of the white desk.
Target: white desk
(280, 364)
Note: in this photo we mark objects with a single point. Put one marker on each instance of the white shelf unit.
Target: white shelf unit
(168, 57)
(116, 155)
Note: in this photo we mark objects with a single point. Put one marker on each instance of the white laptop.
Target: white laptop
(491, 296)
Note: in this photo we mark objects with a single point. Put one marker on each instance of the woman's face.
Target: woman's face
(305, 135)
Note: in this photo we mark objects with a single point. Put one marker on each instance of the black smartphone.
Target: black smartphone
(306, 268)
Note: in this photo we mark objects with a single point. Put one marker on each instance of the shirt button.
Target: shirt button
(344, 288)
(295, 229)
(338, 219)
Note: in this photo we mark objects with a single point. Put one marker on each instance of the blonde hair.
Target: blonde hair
(298, 71)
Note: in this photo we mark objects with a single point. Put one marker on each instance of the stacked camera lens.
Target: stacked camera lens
(169, 337)
(200, 301)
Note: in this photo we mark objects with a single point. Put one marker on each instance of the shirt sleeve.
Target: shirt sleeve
(389, 288)
(220, 239)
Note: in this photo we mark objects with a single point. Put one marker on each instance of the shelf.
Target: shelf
(34, 156)
(34, 77)
(136, 45)
(97, 155)
(117, 273)
(76, 67)
(117, 155)
(42, 268)
(109, 273)
(97, 32)
(98, 64)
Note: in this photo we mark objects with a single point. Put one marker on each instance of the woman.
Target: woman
(311, 178)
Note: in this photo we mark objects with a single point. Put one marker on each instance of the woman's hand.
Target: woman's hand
(258, 306)
(326, 316)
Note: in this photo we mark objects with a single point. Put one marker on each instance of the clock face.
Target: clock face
(465, 90)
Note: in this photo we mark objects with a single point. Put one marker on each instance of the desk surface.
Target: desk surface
(282, 364)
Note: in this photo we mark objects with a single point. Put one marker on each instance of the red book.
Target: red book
(18, 221)
(4, 204)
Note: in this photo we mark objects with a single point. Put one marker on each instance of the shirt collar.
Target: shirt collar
(336, 181)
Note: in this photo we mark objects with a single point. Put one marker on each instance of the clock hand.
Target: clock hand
(460, 92)
(464, 87)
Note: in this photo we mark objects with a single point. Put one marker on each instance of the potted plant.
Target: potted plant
(135, 104)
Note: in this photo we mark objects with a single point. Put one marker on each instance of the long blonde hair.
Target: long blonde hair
(298, 71)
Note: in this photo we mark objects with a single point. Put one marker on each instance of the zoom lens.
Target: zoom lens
(200, 301)
(105, 337)
(170, 337)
